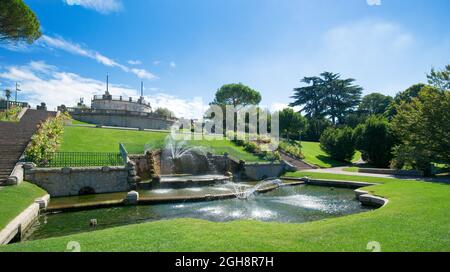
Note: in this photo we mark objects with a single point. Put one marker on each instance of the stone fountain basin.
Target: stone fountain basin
(183, 181)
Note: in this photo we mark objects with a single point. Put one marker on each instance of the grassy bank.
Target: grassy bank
(85, 139)
(416, 219)
(15, 199)
(315, 155)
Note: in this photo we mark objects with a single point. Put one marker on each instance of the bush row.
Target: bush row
(46, 140)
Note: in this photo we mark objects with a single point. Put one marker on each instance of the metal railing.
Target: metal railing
(4, 104)
(81, 159)
(123, 153)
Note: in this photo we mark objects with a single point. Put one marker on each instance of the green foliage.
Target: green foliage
(423, 129)
(237, 95)
(375, 140)
(375, 103)
(314, 129)
(329, 95)
(292, 148)
(164, 112)
(10, 115)
(291, 123)
(440, 79)
(403, 97)
(46, 140)
(18, 22)
(338, 143)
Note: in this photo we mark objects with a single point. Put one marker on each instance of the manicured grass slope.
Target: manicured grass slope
(15, 199)
(85, 139)
(416, 219)
(315, 155)
(348, 177)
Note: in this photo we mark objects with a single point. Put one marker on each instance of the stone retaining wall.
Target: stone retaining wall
(125, 120)
(75, 181)
(19, 225)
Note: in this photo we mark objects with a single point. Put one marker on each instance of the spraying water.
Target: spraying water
(244, 191)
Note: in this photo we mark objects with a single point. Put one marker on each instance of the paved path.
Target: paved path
(340, 171)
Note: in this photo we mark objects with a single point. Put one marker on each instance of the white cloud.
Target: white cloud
(194, 108)
(102, 6)
(374, 2)
(173, 64)
(142, 73)
(382, 52)
(41, 82)
(134, 62)
(77, 49)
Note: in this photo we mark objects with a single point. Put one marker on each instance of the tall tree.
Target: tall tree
(403, 97)
(440, 79)
(329, 95)
(310, 98)
(375, 140)
(375, 103)
(165, 112)
(423, 129)
(291, 123)
(237, 95)
(18, 22)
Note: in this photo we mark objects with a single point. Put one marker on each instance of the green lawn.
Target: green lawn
(415, 219)
(348, 177)
(315, 155)
(85, 139)
(15, 199)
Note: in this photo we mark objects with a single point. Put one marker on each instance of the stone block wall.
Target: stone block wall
(82, 180)
(130, 121)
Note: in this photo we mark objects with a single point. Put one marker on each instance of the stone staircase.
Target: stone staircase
(14, 137)
(297, 163)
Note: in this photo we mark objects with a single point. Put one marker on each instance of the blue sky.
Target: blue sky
(185, 50)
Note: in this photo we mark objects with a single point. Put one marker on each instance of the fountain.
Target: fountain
(185, 165)
(244, 191)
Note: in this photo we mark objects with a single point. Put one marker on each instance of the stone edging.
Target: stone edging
(23, 221)
(22, 113)
(370, 200)
(363, 196)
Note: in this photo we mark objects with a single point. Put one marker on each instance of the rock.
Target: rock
(228, 174)
(132, 198)
(66, 170)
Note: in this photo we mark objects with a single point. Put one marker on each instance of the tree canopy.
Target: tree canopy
(327, 95)
(423, 128)
(291, 123)
(18, 22)
(237, 95)
(375, 103)
(440, 79)
(165, 112)
(375, 140)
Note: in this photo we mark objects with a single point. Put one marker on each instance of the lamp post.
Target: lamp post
(17, 90)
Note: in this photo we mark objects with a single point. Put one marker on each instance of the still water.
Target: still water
(287, 204)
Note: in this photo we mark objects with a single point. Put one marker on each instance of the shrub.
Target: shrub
(46, 140)
(375, 140)
(293, 149)
(251, 147)
(10, 114)
(338, 143)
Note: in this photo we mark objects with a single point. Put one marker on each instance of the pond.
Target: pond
(295, 204)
